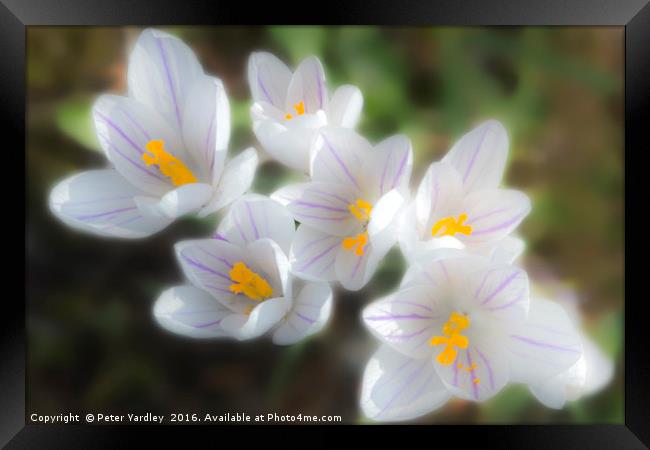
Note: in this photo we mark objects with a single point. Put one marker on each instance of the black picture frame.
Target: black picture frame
(634, 15)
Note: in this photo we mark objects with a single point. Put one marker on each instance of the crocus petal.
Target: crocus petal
(176, 203)
(289, 146)
(600, 367)
(499, 291)
(207, 264)
(124, 127)
(261, 319)
(162, 70)
(480, 156)
(563, 387)
(268, 259)
(313, 254)
(443, 269)
(385, 212)
(310, 312)
(345, 107)
(479, 372)
(236, 180)
(206, 127)
(326, 207)
(191, 312)
(308, 85)
(337, 156)
(287, 194)
(101, 202)
(254, 217)
(396, 387)
(268, 78)
(494, 213)
(440, 191)
(589, 374)
(354, 271)
(507, 250)
(409, 239)
(389, 167)
(546, 344)
(408, 319)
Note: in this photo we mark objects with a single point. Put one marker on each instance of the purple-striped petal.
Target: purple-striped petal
(268, 79)
(191, 312)
(389, 167)
(313, 254)
(207, 264)
(310, 312)
(396, 387)
(480, 156)
(262, 318)
(102, 202)
(478, 372)
(545, 345)
(502, 291)
(206, 127)
(439, 195)
(326, 207)
(162, 70)
(337, 157)
(124, 127)
(308, 86)
(408, 319)
(255, 217)
(493, 214)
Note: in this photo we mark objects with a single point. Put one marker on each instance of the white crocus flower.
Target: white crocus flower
(459, 204)
(460, 325)
(167, 142)
(348, 211)
(240, 281)
(289, 108)
(591, 373)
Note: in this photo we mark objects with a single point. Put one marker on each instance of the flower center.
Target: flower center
(357, 242)
(300, 110)
(249, 283)
(451, 226)
(361, 210)
(168, 164)
(453, 340)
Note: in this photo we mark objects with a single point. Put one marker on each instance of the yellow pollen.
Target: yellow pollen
(300, 110)
(452, 339)
(168, 164)
(249, 283)
(451, 226)
(476, 380)
(359, 241)
(361, 210)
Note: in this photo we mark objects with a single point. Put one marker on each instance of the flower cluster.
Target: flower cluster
(461, 324)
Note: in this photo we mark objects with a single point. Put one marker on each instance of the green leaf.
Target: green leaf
(74, 119)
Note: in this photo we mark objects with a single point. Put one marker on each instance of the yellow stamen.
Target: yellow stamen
(361, 209)
(249, 283)
(359, 241)
(452, 339)
(476, 380)
(452, 226)
(168, 164)
(300, 110)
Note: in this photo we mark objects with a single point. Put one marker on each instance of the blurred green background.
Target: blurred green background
(92, 342)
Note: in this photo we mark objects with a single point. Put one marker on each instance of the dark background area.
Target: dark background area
(92, 342)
